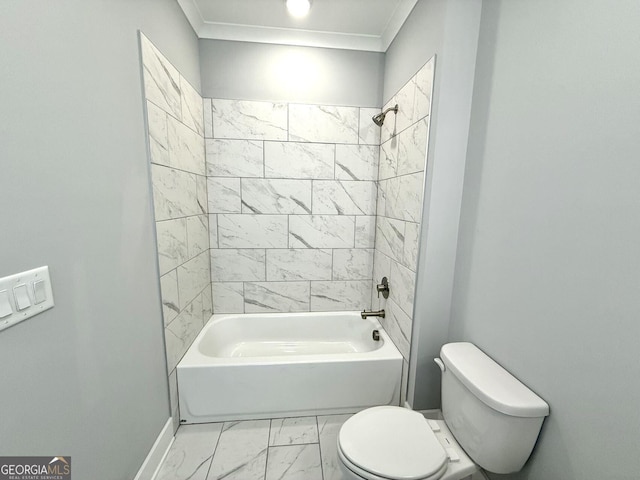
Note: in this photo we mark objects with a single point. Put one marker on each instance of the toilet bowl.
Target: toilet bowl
(491, 420)
(394, 443)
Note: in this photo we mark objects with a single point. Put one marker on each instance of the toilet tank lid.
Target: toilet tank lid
(491, 383)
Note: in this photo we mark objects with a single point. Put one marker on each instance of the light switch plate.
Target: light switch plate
(28, 279)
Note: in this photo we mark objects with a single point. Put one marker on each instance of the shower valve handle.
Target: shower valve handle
(383, 288)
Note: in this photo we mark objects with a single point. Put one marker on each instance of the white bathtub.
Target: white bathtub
(292, 364)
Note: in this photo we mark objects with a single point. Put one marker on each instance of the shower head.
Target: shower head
(379, 118)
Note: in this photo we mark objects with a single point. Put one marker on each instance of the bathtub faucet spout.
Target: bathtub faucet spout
(373, 313)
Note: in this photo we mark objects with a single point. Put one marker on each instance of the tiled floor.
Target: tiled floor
(302, 448)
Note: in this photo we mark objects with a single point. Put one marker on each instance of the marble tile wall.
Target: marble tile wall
(178, 170)
(292, 205)
(403, 149)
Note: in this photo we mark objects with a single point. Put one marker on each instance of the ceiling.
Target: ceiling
(369, 25)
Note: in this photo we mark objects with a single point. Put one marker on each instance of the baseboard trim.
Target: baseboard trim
(157, 454)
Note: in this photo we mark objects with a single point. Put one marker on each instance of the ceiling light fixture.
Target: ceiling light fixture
(298, 8)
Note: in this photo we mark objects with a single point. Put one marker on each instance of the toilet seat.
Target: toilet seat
(391, 443)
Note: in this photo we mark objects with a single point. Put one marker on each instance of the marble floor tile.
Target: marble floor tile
(293, 431)
(191, 452)
(328, 428)
(242, 451)
(294, 462)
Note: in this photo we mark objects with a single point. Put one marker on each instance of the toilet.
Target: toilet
(491, 420)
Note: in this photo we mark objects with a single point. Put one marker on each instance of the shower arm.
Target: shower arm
(393, 109)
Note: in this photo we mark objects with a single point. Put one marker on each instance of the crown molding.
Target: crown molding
(395, 22)
(290, 36)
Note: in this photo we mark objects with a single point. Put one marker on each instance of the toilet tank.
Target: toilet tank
(494, 417)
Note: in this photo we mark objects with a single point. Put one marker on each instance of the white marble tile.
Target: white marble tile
(388, 164)
(352, 264)
(357, 162)
(181, 332)
(197, 234)
(207, 305)
(192, 112)
(390, 237)
(329, 427)
(321, 231)
(234, 158)
(241, 453)
(403, 281)
(340, 295)
(174, 193)
(424, 83)
(344, 197)
(198, 307)
(193, 277)
(398, 325)
(252, 231)
(190, 455)
(400, 203)
(298, 264)
(207, 118)
(186, 148)
(381, 266)
(368, 132)
(413, 148)
(237, 265)
(405, 99)
(293, 431)
(327, 124)
(275, 196)
(161, 79)
(201, 194)
(228, 297)
(213, 231)
(365, 232)
(249, 120)
(381, 204)
(172, 244)
(294, 462)
(411, 239)
(276, 297)
(298, 160)
(224, 195)
(170, 298)
(158, 141)
(410, 196)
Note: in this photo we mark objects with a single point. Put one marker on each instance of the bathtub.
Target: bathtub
(252, 366)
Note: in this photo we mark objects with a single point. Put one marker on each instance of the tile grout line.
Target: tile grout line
(266, 461)
(320, 449)
(213, 454)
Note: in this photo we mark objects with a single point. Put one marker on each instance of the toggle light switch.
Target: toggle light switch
(39, 292)
(22, 297)
(5, 306)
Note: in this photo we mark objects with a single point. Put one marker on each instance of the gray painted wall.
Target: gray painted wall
(280, 73)
(449, 30)
(88, 377)
(419, 39)
(548, 273)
